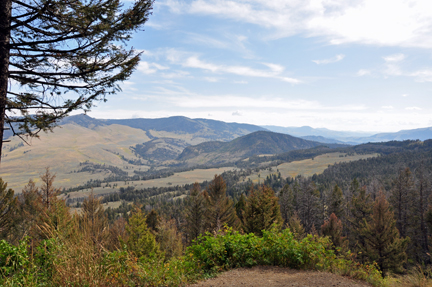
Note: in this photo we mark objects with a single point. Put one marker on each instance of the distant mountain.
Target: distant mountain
(415, 134)
(199, 128)
(322, 139)
(323, 132)
(257, 143)
(329, 136)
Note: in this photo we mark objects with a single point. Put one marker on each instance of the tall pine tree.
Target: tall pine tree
(220, 209)
(7, 208)
(195, 211)
(401, 199)
(383, 244)
(262, 210)
(360, 208)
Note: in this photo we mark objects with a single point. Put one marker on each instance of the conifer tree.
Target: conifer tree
(42, 213)
(262, 210)
(47, 191)
(296, 227)
(153, 221)
(287, 202)
(220, 209)
(336, 202)
(309, 210)
(54, 47)
(8, 204)
(374, 188)
(354, 188)
(360, 208)
(29, 209)
(140, 241)
(240, 207)
(94, 221)
(117, 232)
(383, 243)
(401, 199)
(195, 211)
(418, 249)
(333, 229)
(169, 238)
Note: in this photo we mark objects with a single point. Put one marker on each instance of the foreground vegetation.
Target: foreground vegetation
(60, 261)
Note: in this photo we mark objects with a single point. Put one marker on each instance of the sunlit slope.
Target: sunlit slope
(64, 149)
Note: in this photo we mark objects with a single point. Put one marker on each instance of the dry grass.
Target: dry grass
(180, 178)
(71, 144)
(64, 149)
(417, 277)
(307, 167)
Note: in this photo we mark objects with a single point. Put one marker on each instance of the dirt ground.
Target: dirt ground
(277, 277)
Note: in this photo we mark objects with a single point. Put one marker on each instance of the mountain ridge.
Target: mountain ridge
(256, 143)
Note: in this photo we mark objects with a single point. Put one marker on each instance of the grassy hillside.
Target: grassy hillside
(64, 149)
(261, 142)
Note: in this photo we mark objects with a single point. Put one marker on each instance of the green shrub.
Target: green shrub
(232, 249)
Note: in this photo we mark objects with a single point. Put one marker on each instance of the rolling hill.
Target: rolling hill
(257, 143)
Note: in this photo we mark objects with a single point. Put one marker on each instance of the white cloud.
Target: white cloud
(388, 107)
(150, 68)
(240, 82)
(392, 64)
(274, 71)
(211, 79)
(228, 41)
(237, 113)
(197, 101)
(405, 95)
(206, 40)
(335, 59)
(423, 75)
(363, 72)
(175, 74)
(413, 108)
(393, 68)
(394, 58)
(375, 22)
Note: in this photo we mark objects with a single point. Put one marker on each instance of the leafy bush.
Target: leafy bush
(232, 249)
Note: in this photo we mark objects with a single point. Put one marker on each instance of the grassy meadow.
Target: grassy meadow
(180, 178)
(64, 149)
(307, 167)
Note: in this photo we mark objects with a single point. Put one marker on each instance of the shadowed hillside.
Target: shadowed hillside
(261, 142)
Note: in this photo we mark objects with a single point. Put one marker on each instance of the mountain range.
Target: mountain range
(351, 137)
(140, 144)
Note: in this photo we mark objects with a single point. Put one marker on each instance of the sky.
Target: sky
(358, 65)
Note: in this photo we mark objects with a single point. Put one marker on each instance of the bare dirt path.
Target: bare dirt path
(277, 277)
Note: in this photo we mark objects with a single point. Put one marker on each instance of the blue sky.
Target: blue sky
(340, 64)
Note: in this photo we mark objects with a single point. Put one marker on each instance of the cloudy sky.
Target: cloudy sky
(361, 65)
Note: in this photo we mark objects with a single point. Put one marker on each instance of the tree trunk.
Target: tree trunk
(5, 18)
